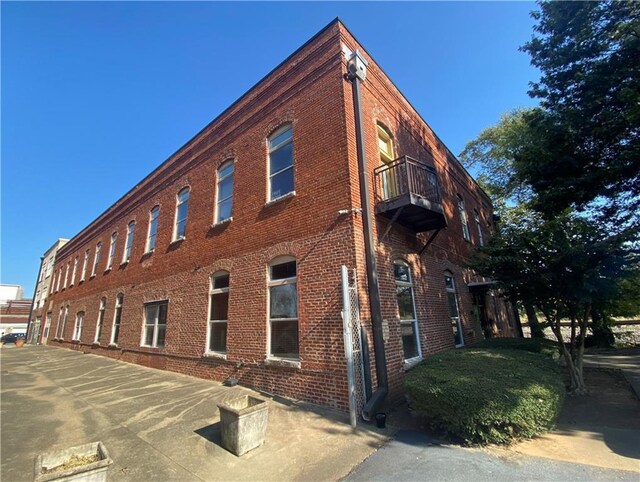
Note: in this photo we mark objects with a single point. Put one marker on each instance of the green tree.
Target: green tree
(589, 122)
(563, 266)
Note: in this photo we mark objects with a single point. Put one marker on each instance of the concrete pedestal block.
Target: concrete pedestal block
(243, 423)
(93, 472)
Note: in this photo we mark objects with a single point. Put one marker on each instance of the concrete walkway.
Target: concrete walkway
(626, 360)
(158, 425)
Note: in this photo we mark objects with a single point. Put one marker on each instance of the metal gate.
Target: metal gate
(352, 343)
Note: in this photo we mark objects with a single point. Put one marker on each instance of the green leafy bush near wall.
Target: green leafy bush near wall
(486, 395)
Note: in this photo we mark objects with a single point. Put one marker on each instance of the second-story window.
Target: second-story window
(84, 265)
(73, 273)
(59, 279)
(224, 193)
(96, 259)
(112, 250)
(182, 207)
(129, 242)
(390, 188)
(66, 274)
(153, 229)
(463, 218)
(476, 216)
(281, 162)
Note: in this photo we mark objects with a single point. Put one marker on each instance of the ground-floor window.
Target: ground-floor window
(406, 310)
(155, 323)
(47, 326)
(218, 309)
(103, 305)
(115, 331)
(454, 312)
(77, 330)
(283, 308)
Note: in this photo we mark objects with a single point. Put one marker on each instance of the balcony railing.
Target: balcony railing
(407, 191)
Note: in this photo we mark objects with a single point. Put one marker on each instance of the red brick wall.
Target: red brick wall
(310, 92)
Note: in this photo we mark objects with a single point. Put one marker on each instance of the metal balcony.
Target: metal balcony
(407, 192)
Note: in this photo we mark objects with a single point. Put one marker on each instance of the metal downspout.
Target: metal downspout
(357, 73)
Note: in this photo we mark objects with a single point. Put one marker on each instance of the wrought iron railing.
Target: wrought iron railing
(403, 176)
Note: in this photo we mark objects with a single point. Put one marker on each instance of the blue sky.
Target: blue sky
(96, 95)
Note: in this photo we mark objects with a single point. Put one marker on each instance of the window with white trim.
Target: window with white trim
(59, 327)
(390, 188)
(100, 322)
(117, 317)
(224, 191)
(182, 208)
(49, 267)
(280, 162)
(406, 310)
(63, 328)
(75, 269)
(84, 265)
(154, 214)
(129, 242)
(283, 308)
(218, 309)
(66, 275)
(77, 329)
(96, 259)
(59, 279)
(463, 218)
(476, 216)
(155, 323)
(47, 326)
(454, 312)
(112, 250)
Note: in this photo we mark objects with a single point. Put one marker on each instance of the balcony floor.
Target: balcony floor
(415, 212)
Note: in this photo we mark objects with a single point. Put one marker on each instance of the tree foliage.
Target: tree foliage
(589, 121)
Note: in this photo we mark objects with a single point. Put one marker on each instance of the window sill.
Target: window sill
(223, 222)
(215, 354)
(124, 263)
(411, 362)
(177, 241)
(107, 270)
(71, 285)
(95, 343)
(112, 345)
(148, 253)
(282, 362)
(92, 276)
(81, 281)
(280, 198)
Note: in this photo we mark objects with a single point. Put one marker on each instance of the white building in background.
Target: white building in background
(10, 292)
(39, 317)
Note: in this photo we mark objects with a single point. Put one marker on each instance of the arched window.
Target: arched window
(406, 310)
(84, 265)
(77, 329)
(99, 323)
(454, 312)
(280, 162)
(112, 250)
(224, 192)
(182, 207)
(129, 242)
(463, 218)
(390, 188)
(59, 327)
(96, 259)
(154, 214)
(283, 308)
(476, 216)
(218, 309)
(115, 330)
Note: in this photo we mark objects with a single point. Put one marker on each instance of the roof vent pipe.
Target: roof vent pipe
(357, 72)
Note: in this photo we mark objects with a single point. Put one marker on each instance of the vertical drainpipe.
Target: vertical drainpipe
(357, 72)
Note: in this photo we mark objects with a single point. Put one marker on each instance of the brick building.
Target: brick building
(225, 261)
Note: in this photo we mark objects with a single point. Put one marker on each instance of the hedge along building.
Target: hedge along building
(226, 260)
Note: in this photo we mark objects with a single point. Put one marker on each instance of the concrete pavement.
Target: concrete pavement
(626, 360)
(158, 425)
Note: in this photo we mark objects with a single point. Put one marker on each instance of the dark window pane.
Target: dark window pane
(409, 341)
(457, 334)
(162, 315)
(401, 273)
(282, 183)
(148, 339)
(218, 337)
(221, 281)
(219, 306)
(281, 158)
(161, 331)
(405, 303)
(283, 270)
(284, 338)
(448, 280)
(283, 301)
(453, 306)
(116, 333)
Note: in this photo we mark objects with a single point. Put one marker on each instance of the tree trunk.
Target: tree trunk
(576, 378)
(532, 319)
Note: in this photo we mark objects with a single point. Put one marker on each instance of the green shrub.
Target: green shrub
(533, 345)
(482, 396)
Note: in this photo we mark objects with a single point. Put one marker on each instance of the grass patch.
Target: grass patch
(481, 395)
(534, 345)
